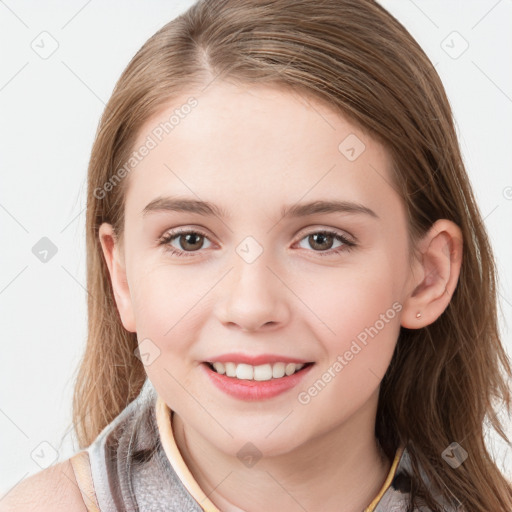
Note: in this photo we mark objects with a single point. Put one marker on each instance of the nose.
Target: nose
(252, 297)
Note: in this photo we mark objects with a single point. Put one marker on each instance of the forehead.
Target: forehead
(243, 144)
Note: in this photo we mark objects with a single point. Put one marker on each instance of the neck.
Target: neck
(343, 469)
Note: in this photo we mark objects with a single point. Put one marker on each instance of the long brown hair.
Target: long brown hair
(446, 379)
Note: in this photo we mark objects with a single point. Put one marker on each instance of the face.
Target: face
(322, 287)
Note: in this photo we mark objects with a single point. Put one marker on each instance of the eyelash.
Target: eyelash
(171, 235)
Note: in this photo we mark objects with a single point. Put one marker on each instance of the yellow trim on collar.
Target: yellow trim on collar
(164, 421)
(387, 483)
(163, 418)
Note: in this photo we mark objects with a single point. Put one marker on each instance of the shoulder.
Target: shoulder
(53, 489)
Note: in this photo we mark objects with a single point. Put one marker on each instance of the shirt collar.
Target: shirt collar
(164, 421)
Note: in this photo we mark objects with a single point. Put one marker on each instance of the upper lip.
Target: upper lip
(255, 360)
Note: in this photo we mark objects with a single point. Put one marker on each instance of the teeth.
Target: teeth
(219, 368)
(245, 372)
(278, 370)
(262, 372)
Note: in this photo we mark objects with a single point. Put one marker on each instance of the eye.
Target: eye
(323, 240)
(190, 241)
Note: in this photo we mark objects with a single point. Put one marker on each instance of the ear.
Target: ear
(116, 267)
(441, 259)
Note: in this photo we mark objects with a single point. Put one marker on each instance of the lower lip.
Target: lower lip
(253, 389)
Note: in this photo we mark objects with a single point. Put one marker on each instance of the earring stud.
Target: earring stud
(418, 314)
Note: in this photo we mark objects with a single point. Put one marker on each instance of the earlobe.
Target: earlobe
(441, 253)
(118, 277)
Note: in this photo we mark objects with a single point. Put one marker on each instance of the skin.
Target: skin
(251, 150)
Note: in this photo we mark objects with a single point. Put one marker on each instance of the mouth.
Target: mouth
(247, 382)
(260, 373)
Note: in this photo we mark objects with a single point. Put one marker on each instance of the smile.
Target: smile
(246, 382)
(261, 372)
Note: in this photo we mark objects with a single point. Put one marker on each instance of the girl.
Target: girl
(292, 296)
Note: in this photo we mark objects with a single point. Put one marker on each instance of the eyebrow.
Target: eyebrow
(177, 204)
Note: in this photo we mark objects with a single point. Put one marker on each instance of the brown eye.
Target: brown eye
(188, 242)
(321, 241)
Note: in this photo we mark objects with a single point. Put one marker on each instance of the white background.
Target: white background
(50, 109)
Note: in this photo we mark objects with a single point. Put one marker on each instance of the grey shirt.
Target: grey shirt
(131, 471)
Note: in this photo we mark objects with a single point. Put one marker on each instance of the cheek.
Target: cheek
(360, 323)
(164, 301)
(359, 319)
(349, 299)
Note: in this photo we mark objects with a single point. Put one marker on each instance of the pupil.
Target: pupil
(188, 237)
(322, 237)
